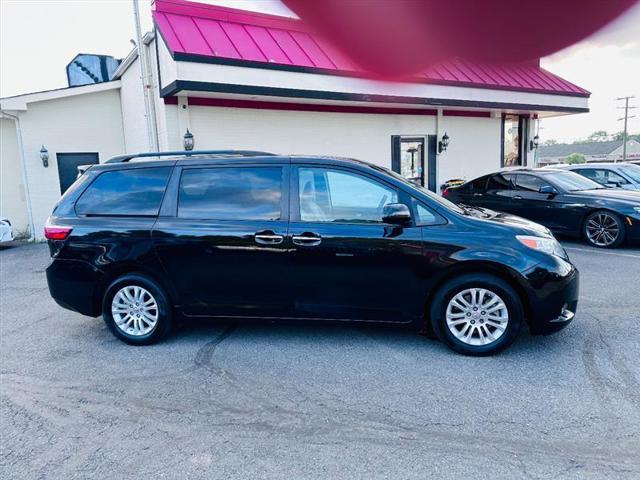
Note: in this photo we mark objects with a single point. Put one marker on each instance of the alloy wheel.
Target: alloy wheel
(602, 230)
(134, 310)
(477, 316)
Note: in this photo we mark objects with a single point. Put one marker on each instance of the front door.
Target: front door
(347, 263)
(68, 164)
(224, 242)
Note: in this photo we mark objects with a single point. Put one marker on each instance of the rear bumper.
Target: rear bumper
(73, 284)
(553, 297)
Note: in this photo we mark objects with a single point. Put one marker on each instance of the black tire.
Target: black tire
(450, 289)
(597, 218)
(164, 321)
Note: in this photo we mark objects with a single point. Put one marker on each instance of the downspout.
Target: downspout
(144, 77)
(25, 176)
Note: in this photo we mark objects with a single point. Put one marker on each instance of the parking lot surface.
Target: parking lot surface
(226, 400)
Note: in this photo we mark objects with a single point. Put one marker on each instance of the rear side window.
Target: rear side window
(135, 192)
(222, 193)
(500, 182)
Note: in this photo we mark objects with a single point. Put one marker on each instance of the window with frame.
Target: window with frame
(231, 193)
(327, 195)
(500, 181)
(514, 140)
(602, 176)
(529, 183)
(130, 192)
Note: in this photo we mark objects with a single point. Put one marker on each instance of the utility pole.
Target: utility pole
(625, 118)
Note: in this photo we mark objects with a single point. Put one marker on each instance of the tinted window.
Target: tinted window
(478, 185)
(602, 175)
(136, 192)
(529, 183)
(252, 193)
(499, 182)
(338, 196)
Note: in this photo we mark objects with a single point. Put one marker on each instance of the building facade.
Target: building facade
(609, 151)
(243, 80)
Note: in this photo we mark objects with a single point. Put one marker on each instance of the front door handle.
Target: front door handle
(306, 240)
(517, 197)
(269, 238)
(477, 194)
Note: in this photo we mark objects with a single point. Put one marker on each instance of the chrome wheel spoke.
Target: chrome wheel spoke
(134, 310)
(477, 316)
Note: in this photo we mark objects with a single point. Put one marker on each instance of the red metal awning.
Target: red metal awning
(201, 32)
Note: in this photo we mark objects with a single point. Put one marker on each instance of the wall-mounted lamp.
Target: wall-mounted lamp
(443, 143)
(533, 143)
(188, 140)
(44, 156)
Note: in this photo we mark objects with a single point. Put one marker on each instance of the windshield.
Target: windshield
(632, 171)
(437, 198)
(573, 182)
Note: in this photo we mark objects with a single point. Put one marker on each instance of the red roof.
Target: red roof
(195, 31)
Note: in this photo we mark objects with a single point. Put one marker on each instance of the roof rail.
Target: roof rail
(187, 153)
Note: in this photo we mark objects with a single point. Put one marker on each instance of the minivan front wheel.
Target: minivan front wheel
(136, 310)
(476, 314)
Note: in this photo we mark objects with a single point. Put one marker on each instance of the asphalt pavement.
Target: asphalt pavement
(221, 400)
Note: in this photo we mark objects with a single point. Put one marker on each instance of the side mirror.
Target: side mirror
(396, 214)
(547, 190)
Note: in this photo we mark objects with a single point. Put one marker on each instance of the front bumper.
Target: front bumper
(553, 296)
(632, 225)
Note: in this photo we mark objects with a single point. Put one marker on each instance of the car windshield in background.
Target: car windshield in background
(632, 171)
(573, 182)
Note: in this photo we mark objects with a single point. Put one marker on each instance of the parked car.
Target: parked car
(613, 175)
(563, 201)
(252, 235)
(6, 231)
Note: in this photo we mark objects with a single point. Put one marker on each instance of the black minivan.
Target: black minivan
(238, 234)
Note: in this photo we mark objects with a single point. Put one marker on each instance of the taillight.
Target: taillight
(56, 232)
(446, 192)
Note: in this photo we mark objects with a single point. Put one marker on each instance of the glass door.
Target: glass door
(410, 159)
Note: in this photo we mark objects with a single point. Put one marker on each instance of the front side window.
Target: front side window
(633, 171)
(530, 183)
(231, 193)
(337, 196)
(132, 192)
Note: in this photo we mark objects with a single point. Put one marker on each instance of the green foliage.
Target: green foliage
(598, 136)
(575, 158)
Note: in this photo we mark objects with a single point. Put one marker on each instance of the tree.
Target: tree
(575, 158)
(598, 136)
(619, 135)
(551, 141)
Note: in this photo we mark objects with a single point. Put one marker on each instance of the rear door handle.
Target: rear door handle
(269, 238)
(306, 240)
(517, 197)
(477, 194)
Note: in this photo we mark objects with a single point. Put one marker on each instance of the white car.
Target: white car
(6, 232)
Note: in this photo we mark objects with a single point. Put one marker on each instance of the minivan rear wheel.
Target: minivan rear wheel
(136, 310)
(476, 314)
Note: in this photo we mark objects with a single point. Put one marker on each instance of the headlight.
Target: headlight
(547, 245)
(636, 209)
